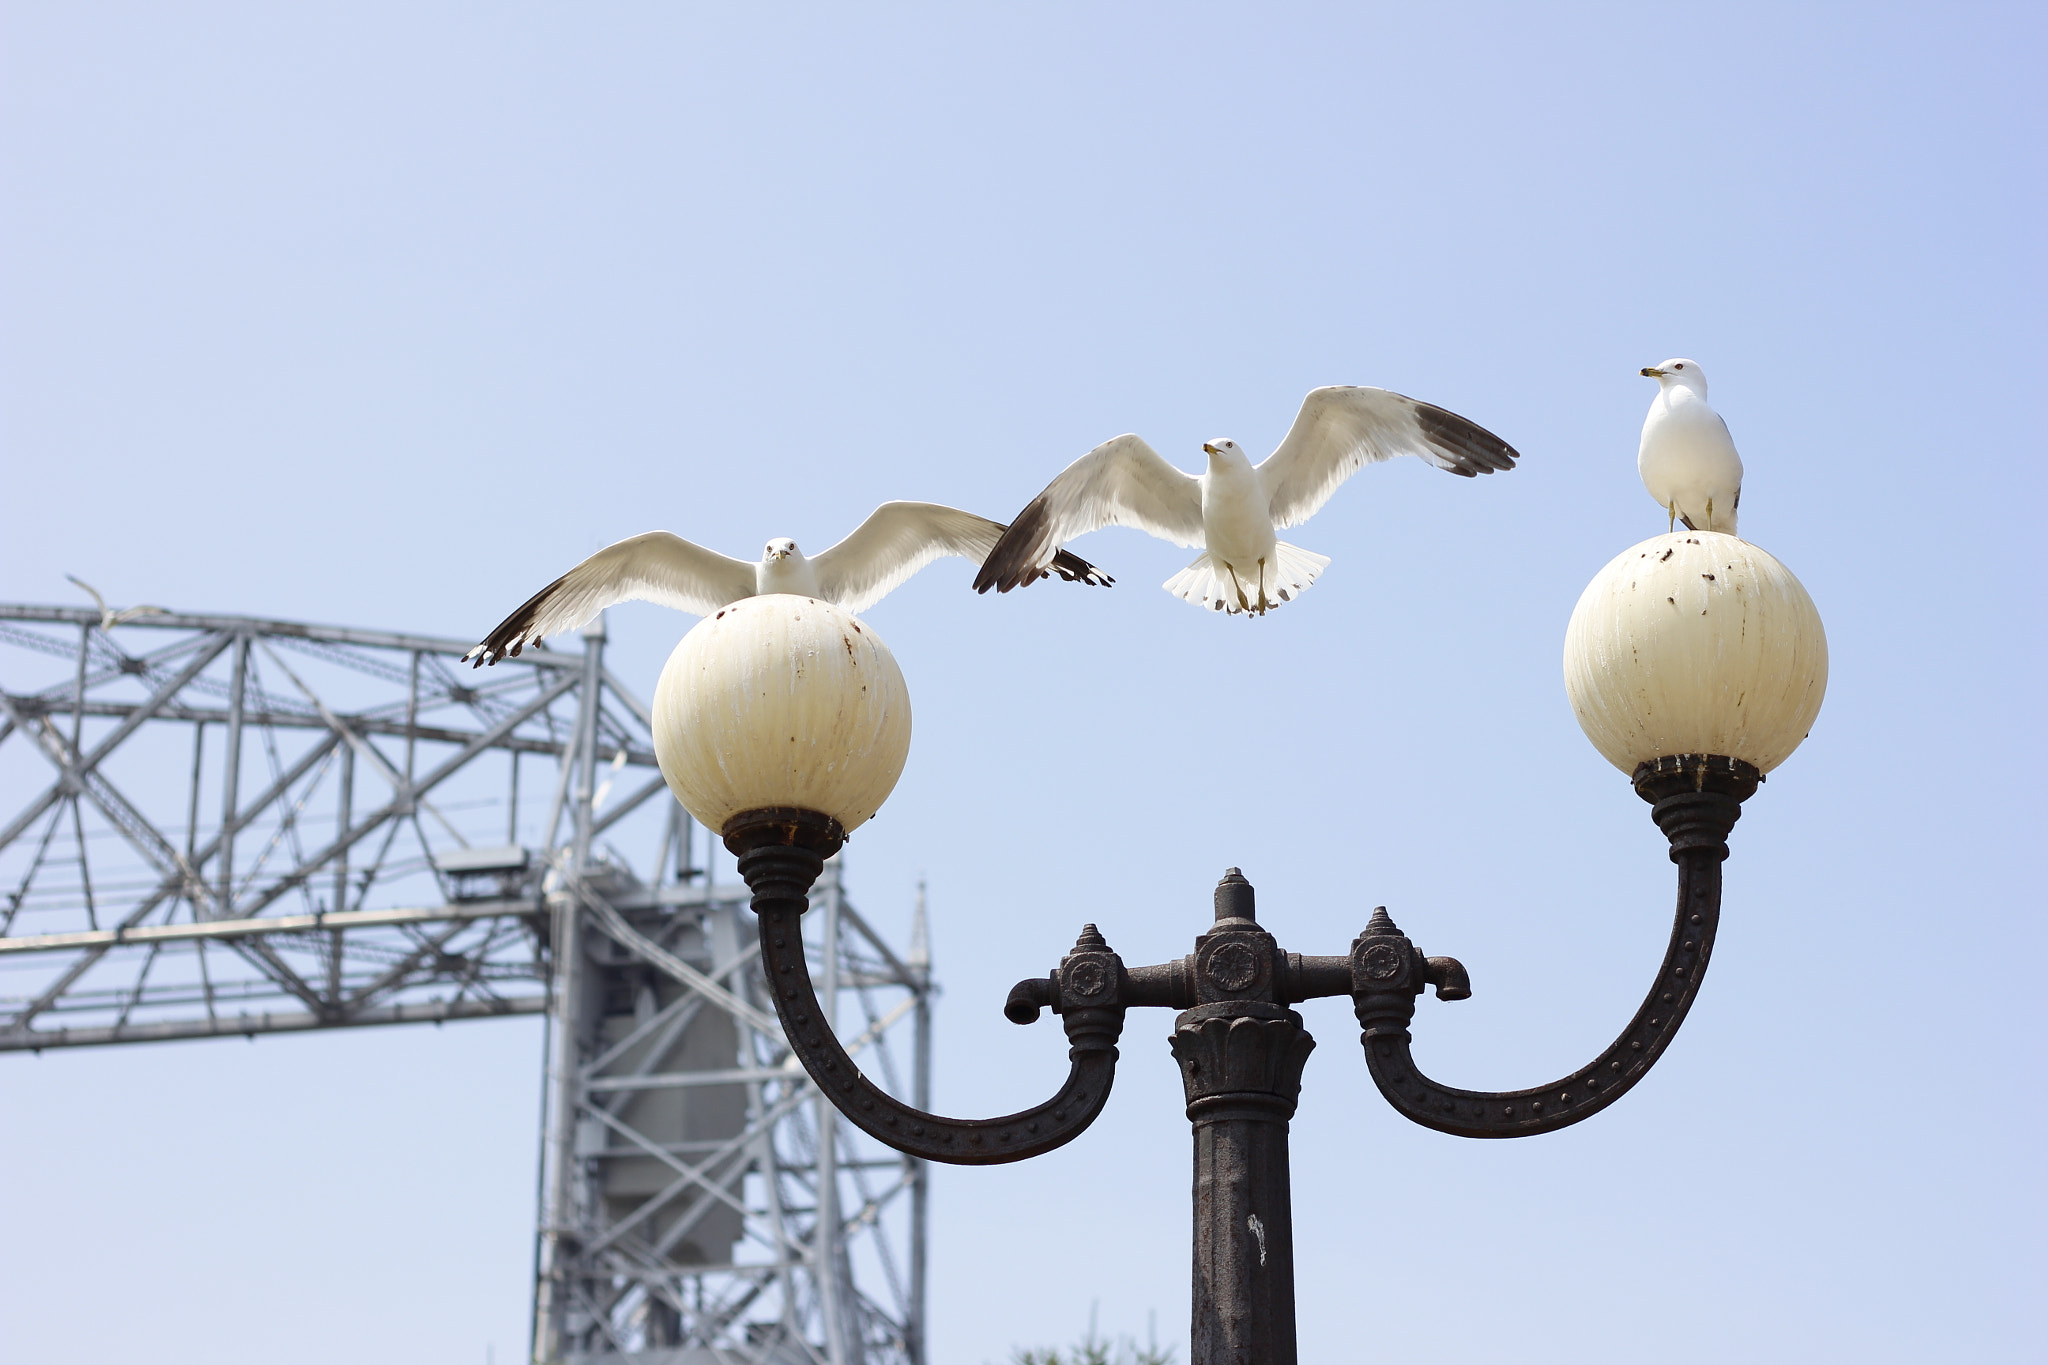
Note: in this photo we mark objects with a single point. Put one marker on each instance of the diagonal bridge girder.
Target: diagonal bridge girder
(215, 825)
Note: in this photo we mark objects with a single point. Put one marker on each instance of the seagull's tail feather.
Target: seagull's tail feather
(1205, 584)
(1299, 568)
(1215, 586)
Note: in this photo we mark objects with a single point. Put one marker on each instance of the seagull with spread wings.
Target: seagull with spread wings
(1233, 510)
(109, 618)
(896, 540)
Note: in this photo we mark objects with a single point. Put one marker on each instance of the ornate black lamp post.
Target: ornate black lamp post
(1240, 1048)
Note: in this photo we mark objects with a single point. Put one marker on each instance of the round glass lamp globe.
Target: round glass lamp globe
(1695, 643)
(781, 701)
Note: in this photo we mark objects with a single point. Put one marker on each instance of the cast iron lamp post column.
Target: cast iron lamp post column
(1684, 654)
(1241, 1053)
(1241, 1049)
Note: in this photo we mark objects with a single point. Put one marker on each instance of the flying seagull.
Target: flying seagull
(896, 540)
(1232, 511)
(109, 618)
(1688, 459)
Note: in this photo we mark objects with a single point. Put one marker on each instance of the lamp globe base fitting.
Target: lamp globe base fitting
(782, 850)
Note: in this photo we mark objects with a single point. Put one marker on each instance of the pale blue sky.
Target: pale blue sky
(385, 314)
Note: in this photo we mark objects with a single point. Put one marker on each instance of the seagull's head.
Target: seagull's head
(1222, 451)
(779, 549)
(1684, 372)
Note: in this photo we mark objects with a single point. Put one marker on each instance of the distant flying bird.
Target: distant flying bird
(1232, 511)
(110, 618)
(1688, 459)
(896, 540)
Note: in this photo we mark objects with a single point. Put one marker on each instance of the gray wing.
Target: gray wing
(899, 538)
(1342, 429)
(97, 600)
(1122, 482)
(655, 567)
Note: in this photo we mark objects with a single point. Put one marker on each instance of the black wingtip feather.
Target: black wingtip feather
(1475, 449)
(1075, 569)
(515, 632)
(1011, 563)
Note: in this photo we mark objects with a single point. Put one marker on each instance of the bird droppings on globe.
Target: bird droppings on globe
(1695, 643)
(781, 700)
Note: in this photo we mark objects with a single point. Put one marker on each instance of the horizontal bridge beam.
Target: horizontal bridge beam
(297, 630)
(249, 1025)
(265, 924)
(641, 898)
(674, 1080)
(311, 720)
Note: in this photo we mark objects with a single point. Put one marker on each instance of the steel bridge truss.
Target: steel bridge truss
(227, 826)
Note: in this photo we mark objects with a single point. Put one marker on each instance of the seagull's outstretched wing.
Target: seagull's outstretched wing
(1342, 429)
(899, 538)
(1122, 482)
(94, 593)
(109, 618)
(655, 567)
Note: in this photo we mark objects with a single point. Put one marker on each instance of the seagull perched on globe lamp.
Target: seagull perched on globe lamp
(1688, 459)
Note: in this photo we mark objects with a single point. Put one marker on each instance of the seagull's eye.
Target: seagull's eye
(1678, 367)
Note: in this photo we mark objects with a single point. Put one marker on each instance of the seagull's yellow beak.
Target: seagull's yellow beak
(1208, 448)
(1651, 371)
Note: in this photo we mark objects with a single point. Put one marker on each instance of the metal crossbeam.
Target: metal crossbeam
(215, 826)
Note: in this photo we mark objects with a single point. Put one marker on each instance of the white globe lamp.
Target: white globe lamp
(1695, 645)
(782, 710)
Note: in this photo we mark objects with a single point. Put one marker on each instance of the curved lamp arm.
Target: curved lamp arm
(781, 853)
(1695, 799)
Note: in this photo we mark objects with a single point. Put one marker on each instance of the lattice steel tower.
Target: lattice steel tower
(223, 826)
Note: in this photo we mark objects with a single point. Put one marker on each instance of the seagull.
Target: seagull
(109, 618)
(896, 540)
(1232, 511)
(1688, 459)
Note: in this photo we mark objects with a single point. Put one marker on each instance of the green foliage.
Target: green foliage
(1095, 1350)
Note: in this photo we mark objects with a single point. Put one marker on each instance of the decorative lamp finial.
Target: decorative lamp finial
(1234, 897)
